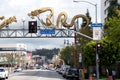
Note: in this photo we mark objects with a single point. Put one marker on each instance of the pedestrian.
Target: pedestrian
(107, 72)
(113, 74)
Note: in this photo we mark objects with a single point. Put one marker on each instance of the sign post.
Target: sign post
(97, 35)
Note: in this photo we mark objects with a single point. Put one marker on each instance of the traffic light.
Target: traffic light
(32, 26)
(99, 47)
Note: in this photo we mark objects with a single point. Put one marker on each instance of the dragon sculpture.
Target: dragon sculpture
(8, 21)
(38, 11)
(2, 17)
(62, 17)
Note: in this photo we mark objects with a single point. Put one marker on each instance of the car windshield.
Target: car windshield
(73, 70)
(2, 70)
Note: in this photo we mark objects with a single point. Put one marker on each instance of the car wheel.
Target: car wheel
(3, 79)
(7, 77)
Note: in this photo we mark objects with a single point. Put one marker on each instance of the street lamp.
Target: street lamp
(91, 4)
(97, 57)
(23, 20)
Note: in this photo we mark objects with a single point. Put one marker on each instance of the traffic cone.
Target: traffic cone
(90, 78)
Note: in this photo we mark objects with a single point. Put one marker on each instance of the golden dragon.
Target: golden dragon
(62, 17)
(36, 12)
(2, 17)
(8, 21)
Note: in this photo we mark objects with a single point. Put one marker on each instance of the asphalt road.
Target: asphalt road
(36, 74)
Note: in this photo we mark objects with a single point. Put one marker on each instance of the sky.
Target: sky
(20, 9)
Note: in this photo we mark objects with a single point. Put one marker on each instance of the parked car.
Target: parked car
(72, 73)
(18, 69)
(64, 72)
(4, 73)
(59, 70)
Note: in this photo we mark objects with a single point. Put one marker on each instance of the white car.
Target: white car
(4, 73)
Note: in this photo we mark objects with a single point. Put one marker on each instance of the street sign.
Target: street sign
(96, 25)
(97, 33)
(47, 31)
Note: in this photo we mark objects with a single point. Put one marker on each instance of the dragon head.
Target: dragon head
(2, 17)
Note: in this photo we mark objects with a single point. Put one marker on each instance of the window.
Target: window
(106, 2)
(7, 49)
(106, 11)
(105, 19)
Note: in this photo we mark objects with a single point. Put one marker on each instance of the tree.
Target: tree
(89, 53)
(113, 30)
(67, 55)
(84, 21)
(46, 52)
(84, 30)
(112, 8)
(81, 39)
(110, 53)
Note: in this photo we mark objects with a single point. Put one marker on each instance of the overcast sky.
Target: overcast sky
(20, 9)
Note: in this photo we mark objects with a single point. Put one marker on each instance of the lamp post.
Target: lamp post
(23, 20)
(91, 4)
(97, 57)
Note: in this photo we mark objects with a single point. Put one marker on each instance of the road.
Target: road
(36, 74)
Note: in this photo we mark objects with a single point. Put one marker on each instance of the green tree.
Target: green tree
(67, 55)
(113, 30)
(89, 53)
(112, 8)
(49, 53)
(110, 53)
(84, 30)
(84, 21)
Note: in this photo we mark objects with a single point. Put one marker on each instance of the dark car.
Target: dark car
(72, 73)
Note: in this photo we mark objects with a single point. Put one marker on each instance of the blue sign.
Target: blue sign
(96, 25)
(47, 31)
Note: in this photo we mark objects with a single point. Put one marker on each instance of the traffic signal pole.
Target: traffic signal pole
(97, 65)
(97, 57)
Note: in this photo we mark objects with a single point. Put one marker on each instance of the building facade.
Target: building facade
(13, 54)
(39, 60)
(104, 9)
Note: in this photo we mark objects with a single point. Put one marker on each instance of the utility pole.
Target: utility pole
(75, 54)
